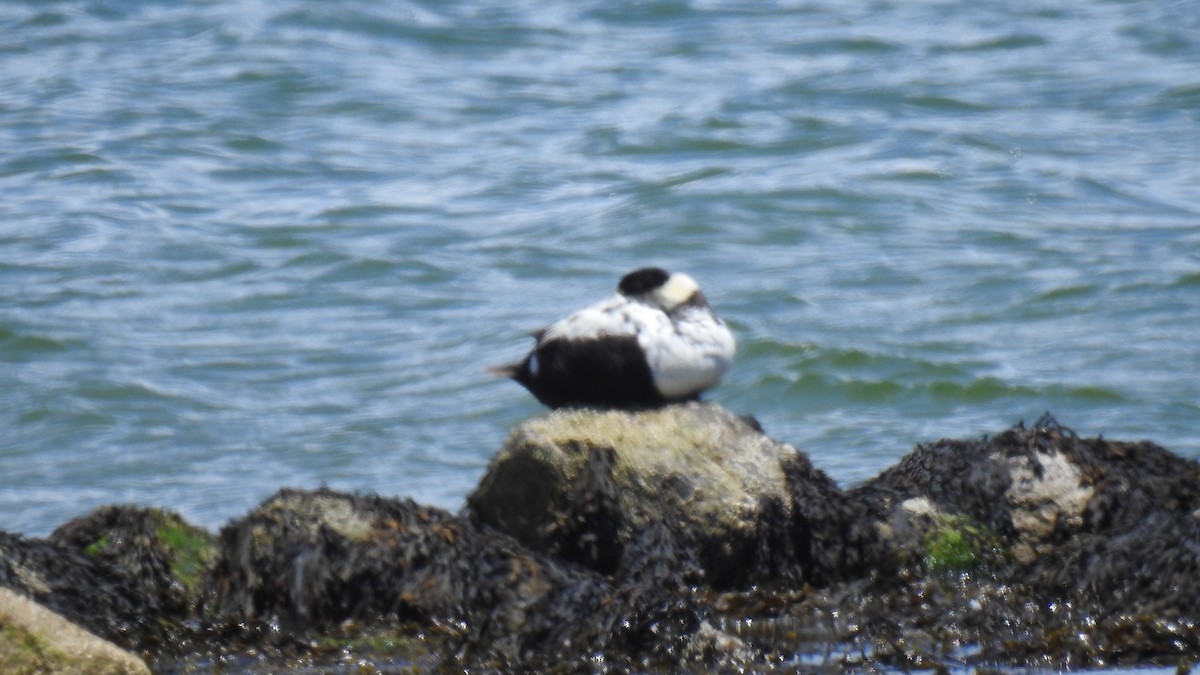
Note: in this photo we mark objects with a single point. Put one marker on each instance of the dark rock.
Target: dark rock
(1083, 549)
(159, 554)
(831, 536)
(1042, 491)
(306, 561)
(311, 561)
(128, 574)
(80, 588)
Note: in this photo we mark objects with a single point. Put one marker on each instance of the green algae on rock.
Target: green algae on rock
(155, 546)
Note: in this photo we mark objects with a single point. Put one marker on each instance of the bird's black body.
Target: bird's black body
(610, 373)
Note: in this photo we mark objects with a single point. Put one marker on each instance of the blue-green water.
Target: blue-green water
(255, 244)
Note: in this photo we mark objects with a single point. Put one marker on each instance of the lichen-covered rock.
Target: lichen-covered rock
(737, 505)
(34, 640)
(695, 459)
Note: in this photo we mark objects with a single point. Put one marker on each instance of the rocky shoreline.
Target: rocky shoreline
(681, 538)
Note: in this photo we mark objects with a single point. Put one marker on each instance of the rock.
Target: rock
(162, 556)
(128, 574)
(584, 485)
(306, 561)
(1078, 547)
(672, 539)
(1042, 490)
(310, 562)
(73, 584)
(34, 639)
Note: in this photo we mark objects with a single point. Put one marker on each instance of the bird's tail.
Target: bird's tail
(509, 370)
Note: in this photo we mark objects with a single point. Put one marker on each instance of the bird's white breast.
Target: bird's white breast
(691, 355)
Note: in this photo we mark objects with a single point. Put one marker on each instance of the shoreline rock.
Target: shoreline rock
(34, 639)
(682, 537)
(743, 508)
(582, 485)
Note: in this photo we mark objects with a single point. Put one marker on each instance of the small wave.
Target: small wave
(358, 269)
(1068, 292)
(61, 162)
(1185, 97)
(250, 143)
(1187, 280)
(365, 212)
(842, 362)
(20, 346)
(946, 104)
(828, 391)
(999, 43)
(128, 391)
(853, 377)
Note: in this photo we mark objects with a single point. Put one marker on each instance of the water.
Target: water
(252, 244)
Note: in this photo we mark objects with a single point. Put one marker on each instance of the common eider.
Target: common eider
(656, 341)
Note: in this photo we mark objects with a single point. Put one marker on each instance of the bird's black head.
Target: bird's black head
(643, 281)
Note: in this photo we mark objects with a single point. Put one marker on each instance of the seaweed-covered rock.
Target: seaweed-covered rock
(1080, 551)
(737, 506)
(162, 556)
(680, 538)
(311, 561)
(128, 574)
(1041, 490)
(35, 640)
(85, 591)
(1035, 548)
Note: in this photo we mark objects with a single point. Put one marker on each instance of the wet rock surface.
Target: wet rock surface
(660, 540)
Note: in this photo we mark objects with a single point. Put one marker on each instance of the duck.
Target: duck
(655, 342)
